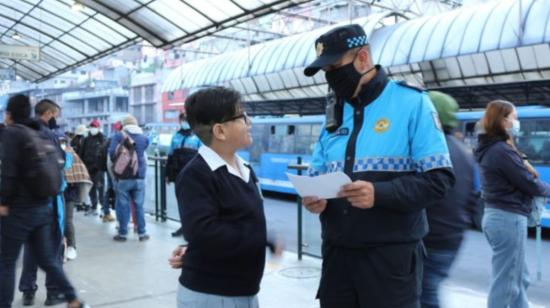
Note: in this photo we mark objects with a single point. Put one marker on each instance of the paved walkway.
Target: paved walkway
(136, 275)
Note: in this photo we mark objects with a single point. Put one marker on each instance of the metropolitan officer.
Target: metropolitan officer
(386, 136)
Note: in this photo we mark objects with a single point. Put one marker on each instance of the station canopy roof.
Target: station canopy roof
(69, 38)
(479, 53)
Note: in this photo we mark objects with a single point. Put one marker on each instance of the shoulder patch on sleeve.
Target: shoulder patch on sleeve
(411, 86)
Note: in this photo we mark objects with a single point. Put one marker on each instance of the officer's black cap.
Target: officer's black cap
(331, 46)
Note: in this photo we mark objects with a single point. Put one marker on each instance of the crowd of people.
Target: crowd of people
(388, 240)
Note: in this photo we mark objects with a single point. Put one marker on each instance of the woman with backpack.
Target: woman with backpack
(508, 185)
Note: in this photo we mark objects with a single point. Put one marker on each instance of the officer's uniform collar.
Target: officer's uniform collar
(370, 91)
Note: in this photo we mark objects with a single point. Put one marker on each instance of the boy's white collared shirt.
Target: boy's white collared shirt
(215, 161)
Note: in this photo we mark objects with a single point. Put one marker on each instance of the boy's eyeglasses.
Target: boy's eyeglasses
(243, 116)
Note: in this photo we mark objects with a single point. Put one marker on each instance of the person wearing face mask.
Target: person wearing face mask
(89, 152)
(47, 112)
(508, 184)
(184, 146)
(387, 137)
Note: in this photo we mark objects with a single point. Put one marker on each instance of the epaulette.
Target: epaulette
(411, 86)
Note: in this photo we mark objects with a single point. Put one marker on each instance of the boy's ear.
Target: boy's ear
(218, 132)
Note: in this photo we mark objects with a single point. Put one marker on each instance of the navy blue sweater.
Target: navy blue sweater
(506, 183)
(224, 224)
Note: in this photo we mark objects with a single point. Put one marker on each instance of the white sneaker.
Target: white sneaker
(71, 253)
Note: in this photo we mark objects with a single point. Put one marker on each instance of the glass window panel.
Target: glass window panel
(467, 65)
(30, 33)
(472, 33)
(6, 22)
(289, 79)
(141, 32)
(59, 55)
(63, 10)
(533, 32)
(191, 21)
(491, 35)
(510, 59)
(45, 56)
(102, 31)
(156, 24)
(509, 28)
(78, 44)
(216, 10)
(480, 64)
(433, 51)
(20, 5)
(32, 66)
(67, 50)
(496, 63)
(527, 58)
(262, 83)
(541, 53)
(41, 66)
(121, 6)
(403, 52)
(31, 21)
(20, 69)
(115, 26)
(98, 43)
(251, 4)
(534, 140)
(53, 19)
(12, 13)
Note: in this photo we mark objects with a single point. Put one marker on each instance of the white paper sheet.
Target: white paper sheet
(324, 186)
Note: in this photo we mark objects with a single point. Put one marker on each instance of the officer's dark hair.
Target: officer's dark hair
(209, 106)
(493, 120)
(19, 107)
(46, 105)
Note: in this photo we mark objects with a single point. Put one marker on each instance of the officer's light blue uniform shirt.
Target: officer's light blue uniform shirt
(400, 133)
(181, 141)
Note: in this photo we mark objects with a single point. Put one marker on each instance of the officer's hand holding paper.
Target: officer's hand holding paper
(324, 186)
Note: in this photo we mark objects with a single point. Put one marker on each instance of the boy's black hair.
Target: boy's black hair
(46, 105)
(209, 106)
(19, 107)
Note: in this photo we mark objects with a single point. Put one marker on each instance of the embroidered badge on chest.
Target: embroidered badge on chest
(382, 125)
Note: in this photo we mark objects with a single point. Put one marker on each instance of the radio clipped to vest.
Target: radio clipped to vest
(334, 112)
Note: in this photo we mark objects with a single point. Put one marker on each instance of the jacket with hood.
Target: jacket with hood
(91, 150)
(14, 191)
(141, 142)
(506, 183)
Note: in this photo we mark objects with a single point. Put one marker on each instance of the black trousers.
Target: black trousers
(388, 276)
(97, 190)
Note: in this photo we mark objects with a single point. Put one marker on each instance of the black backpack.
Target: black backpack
(43, 164)
(177, 161)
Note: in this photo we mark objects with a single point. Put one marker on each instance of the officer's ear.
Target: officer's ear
(364, 58)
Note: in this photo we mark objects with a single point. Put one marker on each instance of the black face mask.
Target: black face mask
(344, 80)
(52, 123)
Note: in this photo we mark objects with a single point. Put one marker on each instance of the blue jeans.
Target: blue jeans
(31, 226)
(192, 299)
(126, 192)
(506, 232)
(436, 269)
